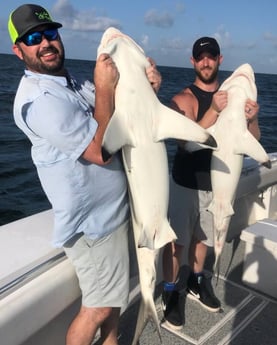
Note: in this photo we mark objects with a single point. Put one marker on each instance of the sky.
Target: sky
(246, 30)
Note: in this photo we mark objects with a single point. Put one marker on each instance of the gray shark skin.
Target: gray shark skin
(234, 141)
(138, 127)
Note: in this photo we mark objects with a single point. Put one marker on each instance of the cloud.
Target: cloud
(145, 40)
(63, 8)
(180, 7)
(88, 20)
(223, 37)
(175, 43)
(268, 36)
(161, 20)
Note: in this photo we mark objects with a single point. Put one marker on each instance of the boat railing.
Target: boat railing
(16, 280)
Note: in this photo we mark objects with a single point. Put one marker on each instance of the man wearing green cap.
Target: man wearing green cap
(65, 121)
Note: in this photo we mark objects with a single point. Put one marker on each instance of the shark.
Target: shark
(234, 142)
(139, 127)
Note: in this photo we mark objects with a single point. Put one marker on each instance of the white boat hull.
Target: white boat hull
(39, 298)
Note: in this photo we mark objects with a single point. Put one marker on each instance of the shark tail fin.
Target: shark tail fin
(219, 241)
(147, 277)
(147, 310)
(216, 267)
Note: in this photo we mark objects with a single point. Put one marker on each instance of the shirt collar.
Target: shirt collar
(59, 79)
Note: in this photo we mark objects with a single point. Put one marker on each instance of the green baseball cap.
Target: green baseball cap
(26, 18)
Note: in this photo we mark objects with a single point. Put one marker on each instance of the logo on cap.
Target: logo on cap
(43, 16)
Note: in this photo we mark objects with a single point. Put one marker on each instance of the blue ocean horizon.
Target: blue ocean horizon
(21, 194)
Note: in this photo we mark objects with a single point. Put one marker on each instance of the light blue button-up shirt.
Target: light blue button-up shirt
(59, 122)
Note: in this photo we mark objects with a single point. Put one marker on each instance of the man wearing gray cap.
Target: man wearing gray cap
(191, 191)
(65, 121)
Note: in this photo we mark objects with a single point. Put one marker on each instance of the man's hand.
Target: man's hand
(105, 73)
(153, 75)
(251, 110)
(220, 100)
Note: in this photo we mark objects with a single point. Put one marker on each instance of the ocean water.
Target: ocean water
(20, 190)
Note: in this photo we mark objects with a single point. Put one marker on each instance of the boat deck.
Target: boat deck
(247, 316)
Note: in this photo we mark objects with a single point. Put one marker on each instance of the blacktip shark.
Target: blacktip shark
(139, 126)
(234, 141)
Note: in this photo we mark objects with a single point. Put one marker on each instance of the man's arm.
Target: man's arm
(154, 75)
(251, 114)
(105, 79)
(187, 104)
(219, 102)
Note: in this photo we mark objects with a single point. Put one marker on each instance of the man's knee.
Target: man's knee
(97, 315)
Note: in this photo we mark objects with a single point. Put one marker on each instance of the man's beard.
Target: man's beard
(36, 65)
(210, 79)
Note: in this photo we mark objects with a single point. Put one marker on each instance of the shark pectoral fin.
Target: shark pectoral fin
(249, 145)
(192, 146)
(117, 135)
(168, 123)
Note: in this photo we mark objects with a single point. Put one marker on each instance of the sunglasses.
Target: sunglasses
(35, 38)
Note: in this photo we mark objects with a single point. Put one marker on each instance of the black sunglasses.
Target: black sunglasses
(35, 38)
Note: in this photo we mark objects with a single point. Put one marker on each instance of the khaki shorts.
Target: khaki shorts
(102, 267)
(188, 214)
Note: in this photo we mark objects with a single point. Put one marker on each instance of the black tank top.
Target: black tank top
(192, 169)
